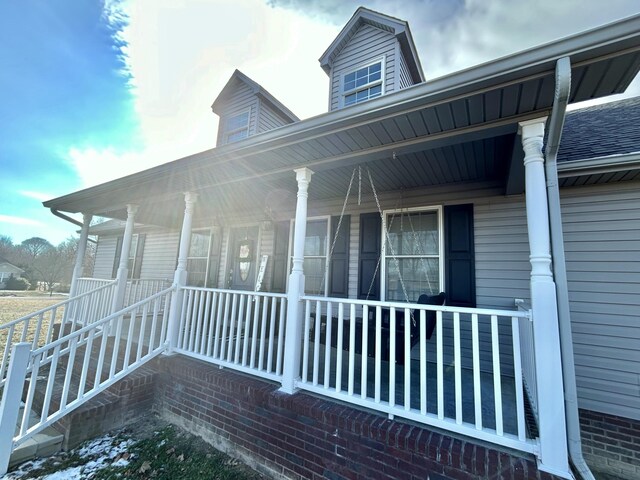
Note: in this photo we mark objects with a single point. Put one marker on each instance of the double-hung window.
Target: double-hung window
(364, 83)
(316, 251)
(198, 258)
(236, 127)
(412, 253)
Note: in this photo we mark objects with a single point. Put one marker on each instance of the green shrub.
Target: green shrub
(14, 283)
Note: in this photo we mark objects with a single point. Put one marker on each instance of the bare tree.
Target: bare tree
(7, 248)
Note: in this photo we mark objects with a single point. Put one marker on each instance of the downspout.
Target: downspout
(71, 220)
(556, 122)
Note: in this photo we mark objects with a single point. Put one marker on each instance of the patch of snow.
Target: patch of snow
(101, 453)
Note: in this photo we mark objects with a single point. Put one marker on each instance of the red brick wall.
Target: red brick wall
(611, 444)
(301, 436)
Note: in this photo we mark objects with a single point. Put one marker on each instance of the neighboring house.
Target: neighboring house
(7, 270)
(405, 187)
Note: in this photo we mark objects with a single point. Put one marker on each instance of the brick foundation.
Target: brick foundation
(611, 444)
(302, 436)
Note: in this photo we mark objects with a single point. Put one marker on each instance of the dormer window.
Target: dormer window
(237, 127)
(364, 83)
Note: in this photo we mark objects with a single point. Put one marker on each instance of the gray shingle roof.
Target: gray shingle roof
(602, 130)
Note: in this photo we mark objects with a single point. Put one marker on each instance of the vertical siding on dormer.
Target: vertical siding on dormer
(367, 45)
(241, 100)
(268, 119)
(405, 75)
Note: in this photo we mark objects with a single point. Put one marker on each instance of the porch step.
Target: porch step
(122, 402)
(112, 408)
(43, 444)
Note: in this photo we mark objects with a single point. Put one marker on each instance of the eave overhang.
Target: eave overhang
(445, 114)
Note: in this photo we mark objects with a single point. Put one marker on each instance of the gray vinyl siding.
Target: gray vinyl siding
(105, 256)
(403, 70)
(602, 246)
(241, 100)
(367, 45)
(268, 118)
(160, 255)
(502, 252)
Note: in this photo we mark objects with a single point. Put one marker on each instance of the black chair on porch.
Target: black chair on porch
(431, 318)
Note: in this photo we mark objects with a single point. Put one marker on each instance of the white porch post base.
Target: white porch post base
(180, 275)
(293, 331)
(553, 454)
(80, 254)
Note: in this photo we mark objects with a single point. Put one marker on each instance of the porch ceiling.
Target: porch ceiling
(456, 128)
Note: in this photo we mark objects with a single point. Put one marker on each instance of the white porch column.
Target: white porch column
(553, 456)
(82, 249)
(180, 275)
(293, 333)
(123, 271)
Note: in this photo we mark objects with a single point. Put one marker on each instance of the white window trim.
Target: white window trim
(226, 133)
(382, 82)
(208, 257)
(383, 250)
(133, 256)
(326, 256)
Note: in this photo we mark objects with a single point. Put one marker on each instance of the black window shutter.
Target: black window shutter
(214, 257)
(116, 258)
(459, 256)
(370, 231)
(280, 250)
(137, 264)
(339, 267)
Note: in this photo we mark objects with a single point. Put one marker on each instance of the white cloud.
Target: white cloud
(40, 196)
(179, 54)
(19, 220)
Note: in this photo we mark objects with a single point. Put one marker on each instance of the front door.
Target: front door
(243, 253)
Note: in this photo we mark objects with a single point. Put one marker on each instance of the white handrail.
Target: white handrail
(77, 362)
(40, 327)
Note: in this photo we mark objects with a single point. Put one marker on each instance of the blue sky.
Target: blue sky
(63, 86)
(93, 90)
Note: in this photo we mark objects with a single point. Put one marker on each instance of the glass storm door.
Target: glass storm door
(243, 257)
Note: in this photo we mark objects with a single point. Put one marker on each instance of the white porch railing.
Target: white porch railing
(139, 289)
(237, 329)
(65, 373)
(348, 355)
(86, 284)
(528, 359)
(44, 326)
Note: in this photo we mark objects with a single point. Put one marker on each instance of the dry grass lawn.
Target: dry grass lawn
(14, 307)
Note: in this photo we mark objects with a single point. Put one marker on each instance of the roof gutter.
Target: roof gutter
(556, 122)
(70, 220)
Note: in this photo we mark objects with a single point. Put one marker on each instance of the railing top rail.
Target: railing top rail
(92, 279)
(414, 306)
(139, 280)
(56, 305)
(100, 322)
(241, 292)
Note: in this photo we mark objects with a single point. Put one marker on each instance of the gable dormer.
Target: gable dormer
(246, 109)
(373, 55)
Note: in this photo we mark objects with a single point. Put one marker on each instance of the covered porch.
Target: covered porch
(332, 318)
